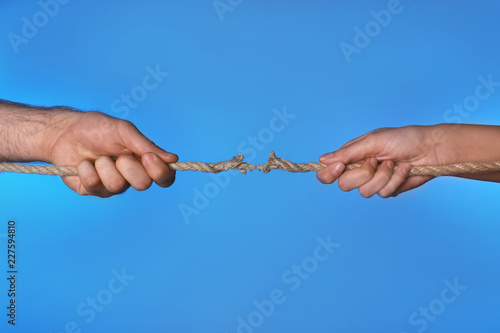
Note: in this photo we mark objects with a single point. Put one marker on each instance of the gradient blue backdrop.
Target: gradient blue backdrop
(226, 78)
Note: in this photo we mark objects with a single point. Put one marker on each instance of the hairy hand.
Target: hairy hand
(110, 154)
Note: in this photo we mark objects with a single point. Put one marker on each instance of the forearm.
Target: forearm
(470, 143)
(25, 131)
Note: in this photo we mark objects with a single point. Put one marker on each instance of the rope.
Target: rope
(274, 163)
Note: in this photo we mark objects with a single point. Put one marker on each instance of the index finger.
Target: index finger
(139, 144)
(356, 151)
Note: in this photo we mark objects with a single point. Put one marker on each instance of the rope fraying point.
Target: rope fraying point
(237, 163)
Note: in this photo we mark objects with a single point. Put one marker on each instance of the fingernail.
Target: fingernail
(373, 162)
(337, 168)
(406, 168)
(326, 157)
(390, 164)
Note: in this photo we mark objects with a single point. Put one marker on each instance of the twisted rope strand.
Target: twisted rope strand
(274, 163)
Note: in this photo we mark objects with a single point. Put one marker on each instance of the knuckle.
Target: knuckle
(126, 124)
(383, 195)
(150, 142)
(148, 158)
(386, 192)
(365, 193)
(90, 181)
(155, 165)
(380, 129)
(341, 153)
(161, 175)
(123, 160)
(321, 179)
(93, 114)
(366, 173)
(116, 186)
(343, 185)
(143, 184)
(399, 176)
(104, 121)
(386, 177)
(102, 162)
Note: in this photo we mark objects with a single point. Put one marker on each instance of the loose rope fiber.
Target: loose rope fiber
(274, 163)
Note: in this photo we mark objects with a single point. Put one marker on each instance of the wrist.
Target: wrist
(458, 143)
(59, 122)
(27, 133)
(445, 145)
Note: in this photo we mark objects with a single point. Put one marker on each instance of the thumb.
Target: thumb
(356, 151)
(139, 144)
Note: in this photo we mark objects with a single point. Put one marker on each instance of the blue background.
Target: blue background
(226, 78)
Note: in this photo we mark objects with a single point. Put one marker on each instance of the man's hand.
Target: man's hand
(110, 154)
(380, 150)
